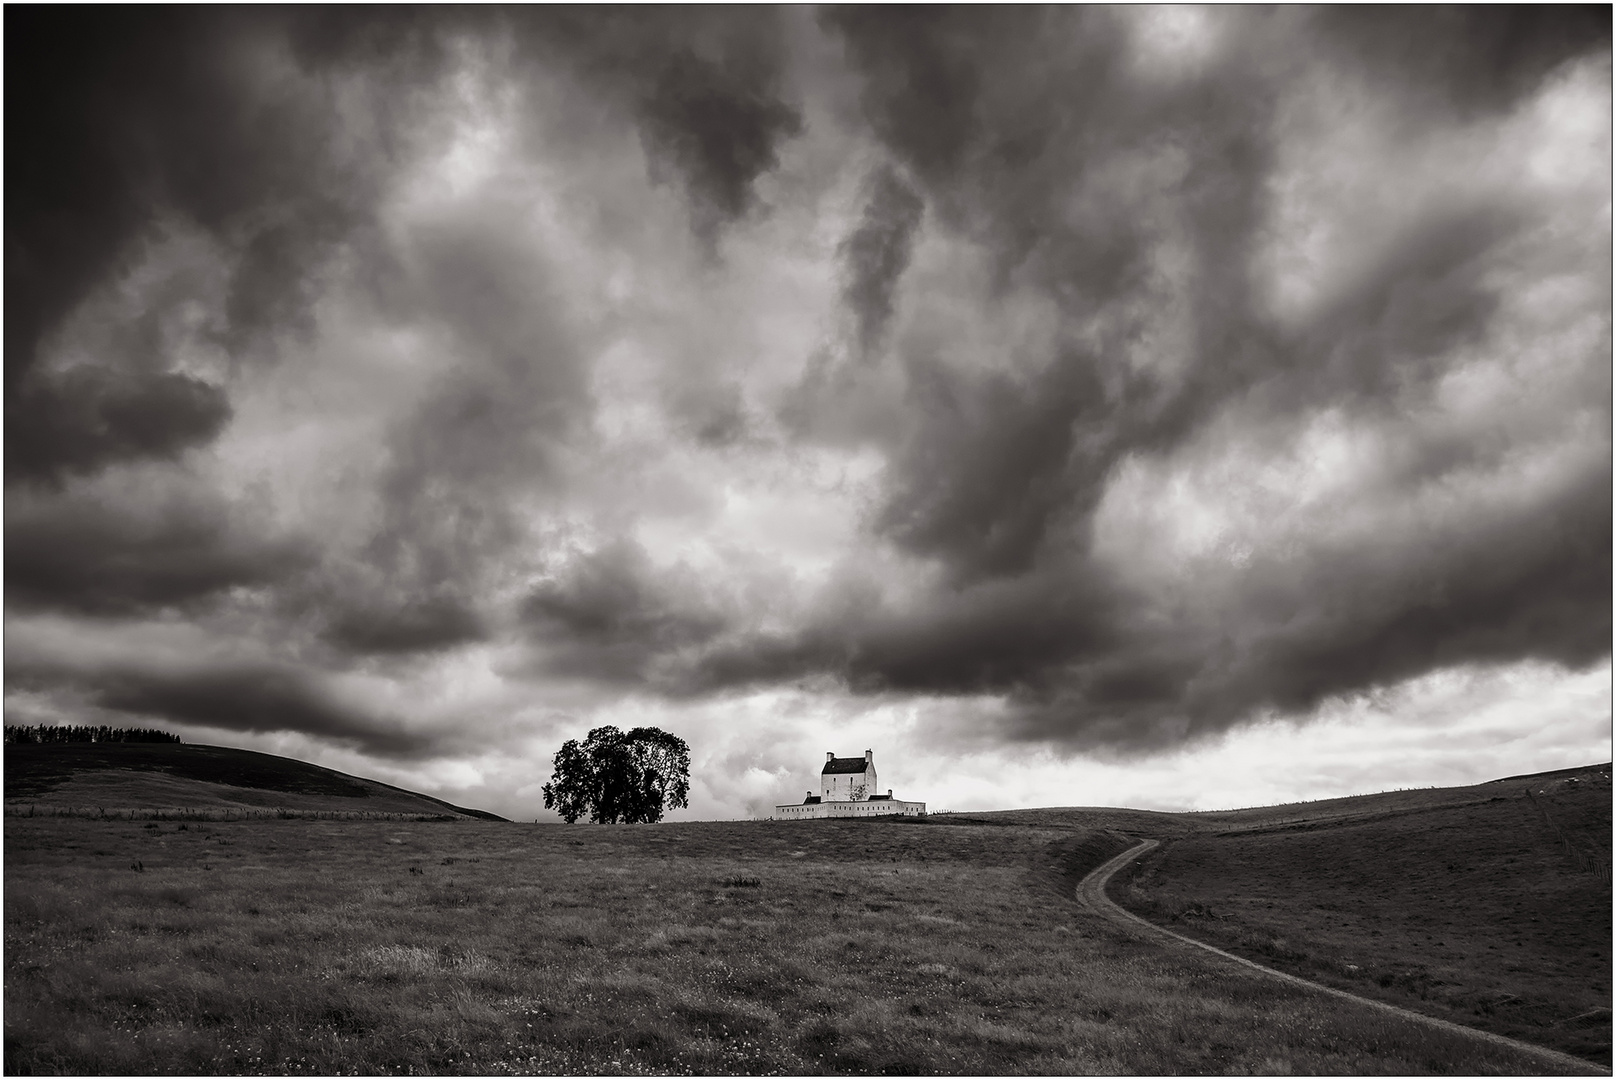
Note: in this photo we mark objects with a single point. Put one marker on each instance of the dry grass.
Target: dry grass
(1489, 906)
(331, 947)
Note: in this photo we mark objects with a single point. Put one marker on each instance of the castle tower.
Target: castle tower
(847, 790)
(847, 779)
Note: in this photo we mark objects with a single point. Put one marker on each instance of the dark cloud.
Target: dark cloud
(719, 123)
(923, 68)
(148, 113)
(704, 92)
(994, 461)
(1462, 59)
(1481, 591)
(705, 87)
(68, 201)
(1088, 665)
(262, 699)
(79, 422)
(1039, 105)
(1475, 593)
(877, 253)
(83, 554)
(500, 418)
(1003, 116)
(428, 625)
(1011, 635)
(1378, 345)
(1391, 334)
(707, 409)
(985, 640)
(612, 617)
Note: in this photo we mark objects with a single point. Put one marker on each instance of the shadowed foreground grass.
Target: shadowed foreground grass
(329, 947)
(1489, 906)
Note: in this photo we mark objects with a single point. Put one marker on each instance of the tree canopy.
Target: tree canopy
(616, 777)
(30, 734)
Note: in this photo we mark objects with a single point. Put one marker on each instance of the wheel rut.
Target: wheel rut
(1091, 893)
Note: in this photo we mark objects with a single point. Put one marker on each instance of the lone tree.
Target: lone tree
(614, 777)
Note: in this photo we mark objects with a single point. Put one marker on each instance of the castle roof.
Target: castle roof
(844, 765)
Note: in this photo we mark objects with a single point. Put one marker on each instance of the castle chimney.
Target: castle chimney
(830, 755)
(889, 793)
(869, 755)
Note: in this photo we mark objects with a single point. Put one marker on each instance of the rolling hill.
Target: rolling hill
(952, 944)
(1487, 905)
(135, 777)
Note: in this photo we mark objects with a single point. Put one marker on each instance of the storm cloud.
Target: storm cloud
(254, 699)
(1108, 380)
(108, 556)
(877, 253)
(216, 117)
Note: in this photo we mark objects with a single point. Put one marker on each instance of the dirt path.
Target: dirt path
(1091, 893)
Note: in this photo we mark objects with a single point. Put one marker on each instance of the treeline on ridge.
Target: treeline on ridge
(75, 733)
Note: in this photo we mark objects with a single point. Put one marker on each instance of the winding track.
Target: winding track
(1091, 893)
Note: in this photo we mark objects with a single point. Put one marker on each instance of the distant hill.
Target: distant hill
(1343, 810)
(157, 776)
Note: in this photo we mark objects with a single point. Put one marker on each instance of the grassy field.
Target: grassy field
(1489, 906)
(949, 945)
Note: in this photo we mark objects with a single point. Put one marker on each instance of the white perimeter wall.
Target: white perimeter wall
(863, 808)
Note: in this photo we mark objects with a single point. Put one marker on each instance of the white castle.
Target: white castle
(846, 789)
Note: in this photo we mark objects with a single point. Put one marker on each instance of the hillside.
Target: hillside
(1301, 815)
(1487, 905)
(136, 777)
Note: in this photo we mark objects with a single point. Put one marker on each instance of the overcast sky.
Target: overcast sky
(1175, 408)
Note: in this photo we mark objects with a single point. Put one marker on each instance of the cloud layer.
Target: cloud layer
(1092, 381)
